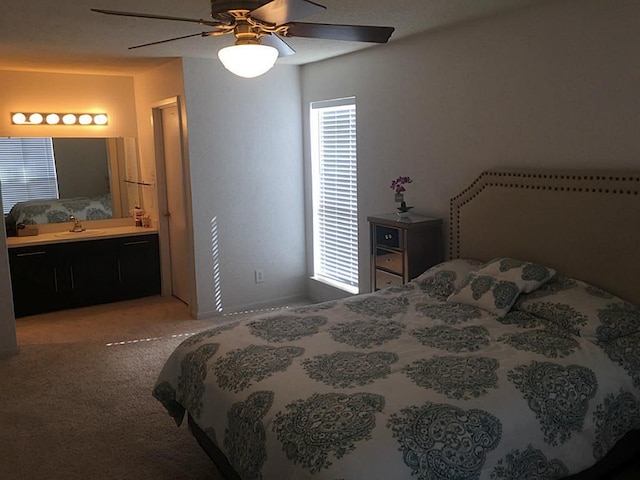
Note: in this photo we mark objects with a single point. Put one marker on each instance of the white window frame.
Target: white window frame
(335, 195)
(27, 170)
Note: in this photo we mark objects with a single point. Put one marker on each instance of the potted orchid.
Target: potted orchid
(398, 185)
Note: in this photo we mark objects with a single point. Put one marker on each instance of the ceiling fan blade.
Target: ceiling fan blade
(355, 33)
(201, 34)
(210, 23)
(279, 12)
(273, 40)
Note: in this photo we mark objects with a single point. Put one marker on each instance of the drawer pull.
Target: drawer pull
(139, 242)
(388, 260)
(388, 236)
(30, 254)
(55, 278)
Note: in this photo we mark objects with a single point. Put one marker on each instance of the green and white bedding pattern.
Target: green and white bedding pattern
(37, 212)
(407, 383)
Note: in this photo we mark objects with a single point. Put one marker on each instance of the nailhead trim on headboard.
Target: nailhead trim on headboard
(559, 181)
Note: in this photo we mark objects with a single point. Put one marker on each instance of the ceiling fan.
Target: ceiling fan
(259, 26)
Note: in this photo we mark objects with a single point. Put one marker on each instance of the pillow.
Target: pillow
(582, 308)
(443, 279)
(489, 293)
(529, 276)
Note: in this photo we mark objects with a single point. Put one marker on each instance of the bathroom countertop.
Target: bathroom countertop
(90, 234)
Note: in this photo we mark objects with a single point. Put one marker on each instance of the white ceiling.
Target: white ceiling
(65, 36)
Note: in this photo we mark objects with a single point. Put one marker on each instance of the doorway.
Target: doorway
(174, 217)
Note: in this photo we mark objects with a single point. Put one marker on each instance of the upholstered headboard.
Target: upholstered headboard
(585, 224)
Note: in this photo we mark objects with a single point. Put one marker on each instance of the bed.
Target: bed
(517, 358)
(35, 212)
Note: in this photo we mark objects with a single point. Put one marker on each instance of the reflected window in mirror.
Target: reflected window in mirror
(27, 170)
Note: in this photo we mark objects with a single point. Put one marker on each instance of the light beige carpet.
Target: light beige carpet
(76, 402)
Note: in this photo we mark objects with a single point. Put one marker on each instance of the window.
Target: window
(27, 170)
(335, 193)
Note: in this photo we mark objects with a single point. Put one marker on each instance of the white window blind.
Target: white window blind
(27, 170)
(335, 192)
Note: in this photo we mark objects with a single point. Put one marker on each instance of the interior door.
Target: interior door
(176, 204)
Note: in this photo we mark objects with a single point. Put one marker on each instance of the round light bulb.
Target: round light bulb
(85, 119)
(52, 119)
(69, 119)
(35, 118)
(100, 119)
(19, 118)
(248, 61)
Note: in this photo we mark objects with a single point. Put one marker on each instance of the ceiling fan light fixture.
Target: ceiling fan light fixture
(249, 60)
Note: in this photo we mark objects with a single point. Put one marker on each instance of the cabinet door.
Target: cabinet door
(93, 269)
(139, 266)
(36, 280)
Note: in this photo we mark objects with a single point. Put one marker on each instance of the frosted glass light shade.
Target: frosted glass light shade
(53, 119)
(100, 119)
(248, 61)
(35, 119)
(19, 118)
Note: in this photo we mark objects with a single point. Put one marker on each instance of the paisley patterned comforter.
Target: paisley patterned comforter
(403, 384)
(36, 212)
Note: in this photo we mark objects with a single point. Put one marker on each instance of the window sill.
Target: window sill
(339, 286)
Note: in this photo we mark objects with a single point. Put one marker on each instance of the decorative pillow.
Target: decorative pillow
(443, 279)
(529, 276)
(489, 293)
(582, 308)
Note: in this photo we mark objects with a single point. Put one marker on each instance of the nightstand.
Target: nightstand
(403, 248)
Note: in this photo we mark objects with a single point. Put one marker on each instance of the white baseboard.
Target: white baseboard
(258, 307)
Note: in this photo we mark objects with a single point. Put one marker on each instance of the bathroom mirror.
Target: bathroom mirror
(100, 175)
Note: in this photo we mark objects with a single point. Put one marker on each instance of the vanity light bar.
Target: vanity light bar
(34, 118)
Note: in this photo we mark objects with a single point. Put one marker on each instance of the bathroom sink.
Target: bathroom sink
(85, 233)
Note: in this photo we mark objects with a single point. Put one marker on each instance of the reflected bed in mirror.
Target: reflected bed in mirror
(89, 178)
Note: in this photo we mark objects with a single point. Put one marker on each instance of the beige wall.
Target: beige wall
(245, 154)
(157, 86)
(556, 85)
(152, 87)
(8, 342)
(58, 92)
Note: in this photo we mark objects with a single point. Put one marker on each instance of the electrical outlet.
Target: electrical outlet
(259, 276)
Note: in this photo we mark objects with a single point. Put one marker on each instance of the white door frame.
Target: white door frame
(161, 182)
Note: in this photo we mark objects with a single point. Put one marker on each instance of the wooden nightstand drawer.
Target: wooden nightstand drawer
(401, 249)
(388, 236)
(392, 261)
(384, 280)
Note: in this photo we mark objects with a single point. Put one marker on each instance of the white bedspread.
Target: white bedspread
(401, 384)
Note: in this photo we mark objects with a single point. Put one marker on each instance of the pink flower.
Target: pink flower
(398, 183)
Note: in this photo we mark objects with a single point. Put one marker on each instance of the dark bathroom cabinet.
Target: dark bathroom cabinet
(55, 276)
